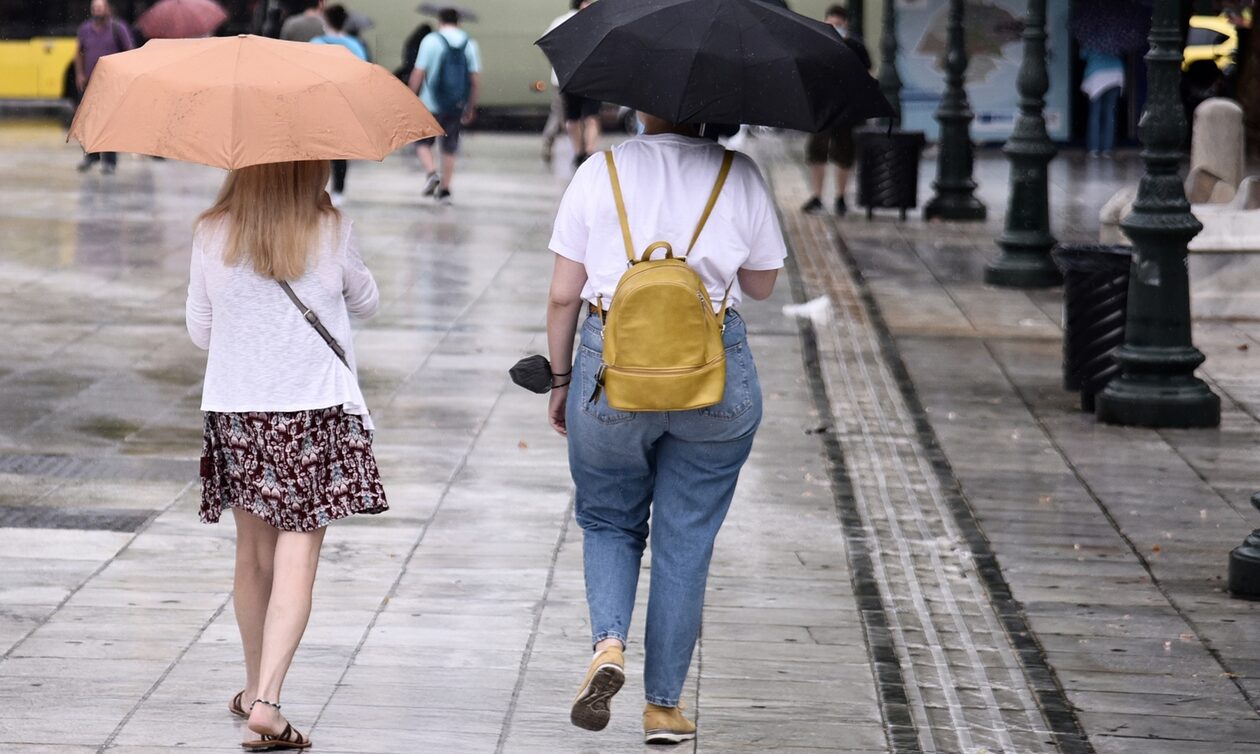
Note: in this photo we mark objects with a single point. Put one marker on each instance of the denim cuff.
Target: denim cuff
(597, 638)
(661, 701)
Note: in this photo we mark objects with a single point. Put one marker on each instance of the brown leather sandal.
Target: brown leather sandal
(236, 706)
(288, 738)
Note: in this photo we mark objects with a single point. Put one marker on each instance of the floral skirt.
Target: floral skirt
(298, 470)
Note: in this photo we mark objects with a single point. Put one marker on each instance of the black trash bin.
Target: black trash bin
(1095, 294)
(888, 169)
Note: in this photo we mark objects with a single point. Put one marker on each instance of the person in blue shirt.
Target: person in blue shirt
(1103, 83)
(335, 18)
(448, 78)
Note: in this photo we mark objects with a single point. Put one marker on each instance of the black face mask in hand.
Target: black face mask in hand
(532, 373)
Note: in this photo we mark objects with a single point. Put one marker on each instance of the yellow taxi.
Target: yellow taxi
(1211, 38)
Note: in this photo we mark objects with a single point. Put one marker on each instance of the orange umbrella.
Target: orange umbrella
(181, 19)
(237, 101)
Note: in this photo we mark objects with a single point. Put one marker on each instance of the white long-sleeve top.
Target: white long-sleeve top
(263, 355)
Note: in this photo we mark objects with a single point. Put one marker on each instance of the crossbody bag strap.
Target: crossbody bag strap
(725, 170)
(313, 319)
(621, 205)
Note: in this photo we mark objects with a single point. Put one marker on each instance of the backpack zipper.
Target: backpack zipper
(647, 370)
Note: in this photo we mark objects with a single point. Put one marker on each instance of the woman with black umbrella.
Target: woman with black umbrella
(634, 455)
(679, 467)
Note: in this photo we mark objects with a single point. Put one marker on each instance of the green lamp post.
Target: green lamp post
(1026, 241)
(889, 79)
(955, 198)
(1156, 386)
(857, 18)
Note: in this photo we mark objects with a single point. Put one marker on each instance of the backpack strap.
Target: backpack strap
(621, 205)
(725, 170)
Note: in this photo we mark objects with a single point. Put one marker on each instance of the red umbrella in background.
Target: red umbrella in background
(181, 19)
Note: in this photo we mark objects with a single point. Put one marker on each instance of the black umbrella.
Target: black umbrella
(1116, 27)
(433, 9)
(714, 61)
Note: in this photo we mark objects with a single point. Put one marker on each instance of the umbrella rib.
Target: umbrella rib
(236, 108)
(359, 121)
(142, 74)
(692, 68)
(327, 80)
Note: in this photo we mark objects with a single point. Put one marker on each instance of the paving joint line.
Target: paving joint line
(506, 728)
(113, 736)
(446, 489)
(99, 569)
(411, 554)
(1215, 654)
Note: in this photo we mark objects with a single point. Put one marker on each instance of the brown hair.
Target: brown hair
(273, 212)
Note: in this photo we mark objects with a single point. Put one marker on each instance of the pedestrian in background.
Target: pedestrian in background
(556, 121)
(678, 468)
(287, 444)
(99, 36)
(335, 17)
(411, 51)
(305, 25)
(1103, 83)
(448, 78)
(834, 145)
(581, 116)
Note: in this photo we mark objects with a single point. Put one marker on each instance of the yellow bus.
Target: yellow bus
(37, 41)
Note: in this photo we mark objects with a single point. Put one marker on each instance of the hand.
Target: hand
(81, 82)
(555, 409)
(470, 115)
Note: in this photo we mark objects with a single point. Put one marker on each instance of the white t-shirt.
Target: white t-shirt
(666, 180)
(263, 355)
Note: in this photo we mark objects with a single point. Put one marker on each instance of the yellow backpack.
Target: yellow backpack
(662, 342)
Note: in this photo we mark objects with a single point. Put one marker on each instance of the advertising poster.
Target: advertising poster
(995, 47)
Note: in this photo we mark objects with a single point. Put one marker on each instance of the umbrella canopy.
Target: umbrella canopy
(714, 61)
(357, 23)
(237, 101)
(1116, 27)
(181, 19)
(432, 9)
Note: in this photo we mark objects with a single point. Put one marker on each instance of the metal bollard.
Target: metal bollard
(1244, 563)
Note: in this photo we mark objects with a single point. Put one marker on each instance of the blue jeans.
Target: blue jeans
(678, 466)
(1102, 121)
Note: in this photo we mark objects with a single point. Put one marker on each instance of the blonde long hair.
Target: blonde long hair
(273, 211)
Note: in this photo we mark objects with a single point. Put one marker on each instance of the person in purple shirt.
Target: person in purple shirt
(99, 36)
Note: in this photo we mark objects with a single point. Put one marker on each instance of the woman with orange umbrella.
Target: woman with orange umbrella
(274, 281)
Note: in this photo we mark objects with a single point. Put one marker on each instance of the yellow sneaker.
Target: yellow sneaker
(666, 725)
(593, 705)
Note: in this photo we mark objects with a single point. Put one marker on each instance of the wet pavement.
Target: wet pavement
(454, 623)
(930, 550)
(1032, 571)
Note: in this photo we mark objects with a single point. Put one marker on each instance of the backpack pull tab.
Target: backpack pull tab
(599, 384)
(647, 253)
